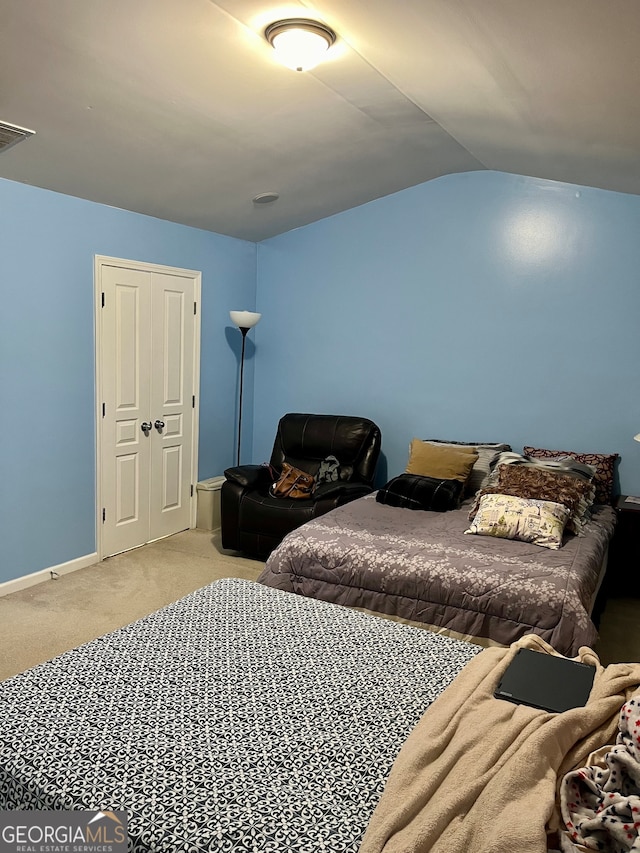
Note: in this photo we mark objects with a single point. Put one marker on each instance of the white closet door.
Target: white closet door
(147, 340)
(126, 358)
(171, 404)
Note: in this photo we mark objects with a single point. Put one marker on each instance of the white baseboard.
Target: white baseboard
(48, 574)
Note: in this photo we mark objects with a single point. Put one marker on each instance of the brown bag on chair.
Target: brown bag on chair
(293, 483)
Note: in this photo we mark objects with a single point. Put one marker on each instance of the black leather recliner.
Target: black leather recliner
(255, 522)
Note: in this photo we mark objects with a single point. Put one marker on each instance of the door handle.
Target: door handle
(159, 425)
(145, 426)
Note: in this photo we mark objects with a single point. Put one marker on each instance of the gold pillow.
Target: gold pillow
(440, 461)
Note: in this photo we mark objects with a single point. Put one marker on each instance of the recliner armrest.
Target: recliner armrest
(249, 476)
(347, 491)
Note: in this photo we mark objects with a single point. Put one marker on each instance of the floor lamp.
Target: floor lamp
(244, 320)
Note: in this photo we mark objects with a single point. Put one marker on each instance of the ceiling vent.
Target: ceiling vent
(10, 134)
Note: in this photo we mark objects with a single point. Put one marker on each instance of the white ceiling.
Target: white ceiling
(177, 108)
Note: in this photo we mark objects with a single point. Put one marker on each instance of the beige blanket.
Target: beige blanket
(479, 774)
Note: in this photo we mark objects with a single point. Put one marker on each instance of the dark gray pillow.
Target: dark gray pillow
(414, 491)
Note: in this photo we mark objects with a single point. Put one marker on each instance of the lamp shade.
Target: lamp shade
(244, 319)
(637, 437)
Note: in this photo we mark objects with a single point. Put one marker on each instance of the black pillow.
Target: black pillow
(413, 491)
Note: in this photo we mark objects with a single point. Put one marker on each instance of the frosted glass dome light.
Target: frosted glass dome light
(299, 44)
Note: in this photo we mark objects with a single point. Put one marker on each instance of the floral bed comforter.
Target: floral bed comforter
(420, 566)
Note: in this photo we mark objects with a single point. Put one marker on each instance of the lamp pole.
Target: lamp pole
(244, 330)
(244, 320)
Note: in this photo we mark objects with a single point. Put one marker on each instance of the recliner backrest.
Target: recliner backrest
(304, 440)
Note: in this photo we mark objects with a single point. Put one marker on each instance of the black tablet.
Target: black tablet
(544, 681)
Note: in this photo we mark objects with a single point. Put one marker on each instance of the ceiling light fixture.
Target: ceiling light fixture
(299, 43)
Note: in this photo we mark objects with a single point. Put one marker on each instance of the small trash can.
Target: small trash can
(208, 506)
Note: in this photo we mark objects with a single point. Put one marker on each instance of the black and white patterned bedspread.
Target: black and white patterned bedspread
(240, 718)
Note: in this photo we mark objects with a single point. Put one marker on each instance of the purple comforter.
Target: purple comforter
(420, 566)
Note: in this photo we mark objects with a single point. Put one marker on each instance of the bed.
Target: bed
(243, 719)
(240, 718)
(421, 567)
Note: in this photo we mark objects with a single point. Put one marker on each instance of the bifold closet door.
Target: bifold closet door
(171, 404)
(147, 339)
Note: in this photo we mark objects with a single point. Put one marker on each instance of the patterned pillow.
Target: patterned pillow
(538, 522)
(604, 464)
(487, 455)
(539, 483)
(412, 491)
(440, 461)
(565, 465)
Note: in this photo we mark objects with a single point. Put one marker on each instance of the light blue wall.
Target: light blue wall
(479, 307)
(47, 366)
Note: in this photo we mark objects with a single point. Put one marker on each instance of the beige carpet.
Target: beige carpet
(44, 620)
(40, 622)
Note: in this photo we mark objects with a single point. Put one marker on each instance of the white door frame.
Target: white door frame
(105, 260)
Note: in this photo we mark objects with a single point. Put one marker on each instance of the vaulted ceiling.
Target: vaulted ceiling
(178, 109)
